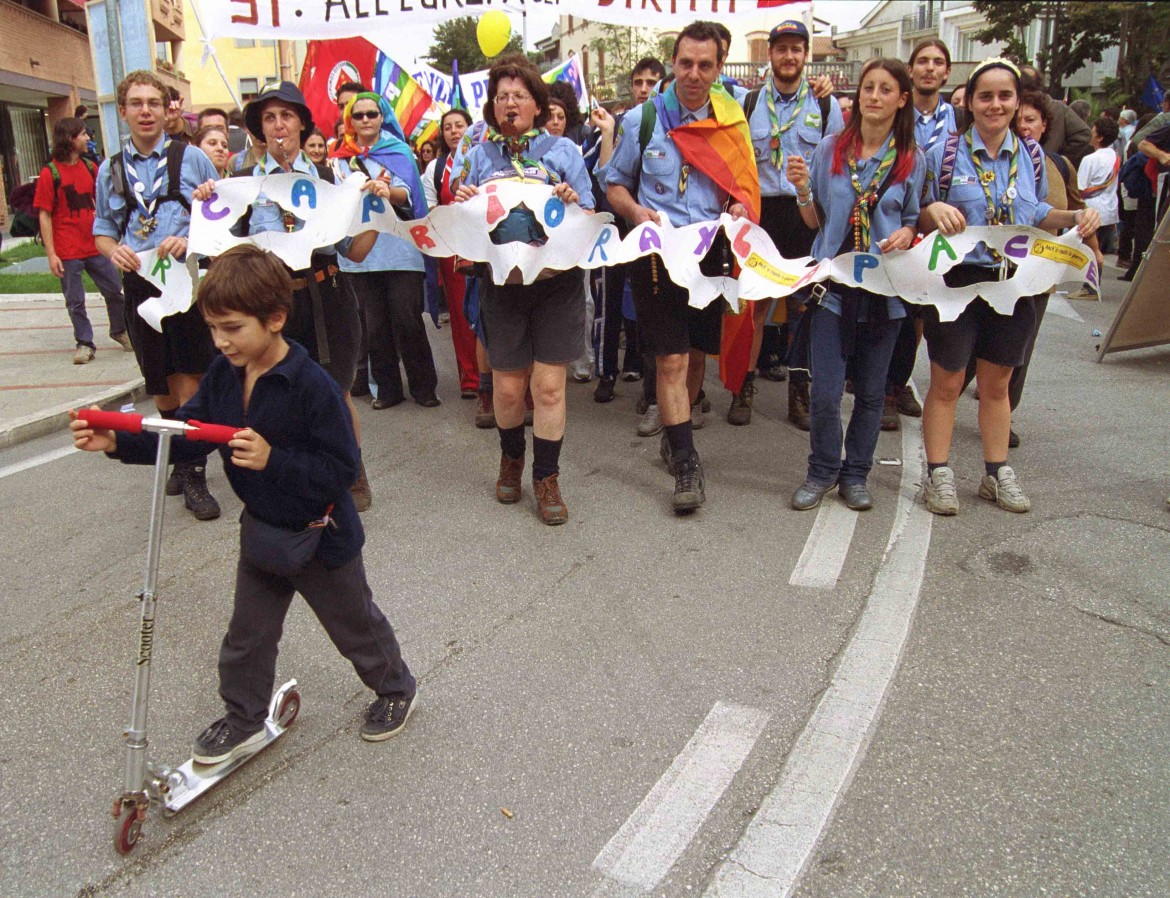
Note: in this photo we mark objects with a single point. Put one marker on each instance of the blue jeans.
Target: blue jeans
(873, 348)
(105, 276)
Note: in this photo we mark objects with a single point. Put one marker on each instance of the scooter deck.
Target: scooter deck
(191, 780)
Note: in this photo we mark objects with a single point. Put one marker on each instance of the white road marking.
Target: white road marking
(827, 545)
(36, 461)
(642, 852)
(776, 846)
(1058, 305)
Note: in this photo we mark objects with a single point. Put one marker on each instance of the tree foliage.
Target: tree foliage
(623, 47)
(455, 39)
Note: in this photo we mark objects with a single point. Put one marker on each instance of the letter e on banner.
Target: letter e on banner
(304, 188)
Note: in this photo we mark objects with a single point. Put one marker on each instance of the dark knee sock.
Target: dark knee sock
(546, 456)
(681, 437)
(992, 467)
(512, 441)
(485, 381)
(931, 466)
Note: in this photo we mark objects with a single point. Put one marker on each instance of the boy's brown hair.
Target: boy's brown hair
(141, 76)
(248, 280)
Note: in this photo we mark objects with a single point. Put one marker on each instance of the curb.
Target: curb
(56, 418)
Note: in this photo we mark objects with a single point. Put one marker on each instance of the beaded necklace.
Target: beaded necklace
(863, 207)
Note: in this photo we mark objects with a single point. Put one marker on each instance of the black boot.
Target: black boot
(196, 497)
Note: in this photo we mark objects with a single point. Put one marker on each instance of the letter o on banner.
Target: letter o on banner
(554, 211)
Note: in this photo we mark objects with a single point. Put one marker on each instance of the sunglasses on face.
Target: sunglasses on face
(360, 116)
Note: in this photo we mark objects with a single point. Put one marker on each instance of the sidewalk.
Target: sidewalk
(39, 382)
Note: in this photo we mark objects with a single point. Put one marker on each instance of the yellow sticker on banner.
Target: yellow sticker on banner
(1058, 252)
(762, 267)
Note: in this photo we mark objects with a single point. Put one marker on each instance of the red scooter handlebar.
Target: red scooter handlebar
(128, 423)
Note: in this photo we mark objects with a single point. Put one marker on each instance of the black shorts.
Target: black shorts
(667, 324)
(538, 322)
(184, 346)
(979, 331)
(342, 326)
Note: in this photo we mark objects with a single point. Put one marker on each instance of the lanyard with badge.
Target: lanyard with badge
(778, 130)
(147, 220)
(1003, 211)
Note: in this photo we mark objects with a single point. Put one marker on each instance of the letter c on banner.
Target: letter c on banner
(554, 211)
(648, 240)
(371, 204)
(1017, 247)
(213, 214)
(861, 262)
(304, 188)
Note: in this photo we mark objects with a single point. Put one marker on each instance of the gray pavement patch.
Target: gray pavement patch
(46, 421)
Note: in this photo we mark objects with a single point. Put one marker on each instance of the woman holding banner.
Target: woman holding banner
(536, 326)
(862, 196)
(986, 175)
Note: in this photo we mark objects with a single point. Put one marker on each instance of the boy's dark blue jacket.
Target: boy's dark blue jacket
(301, 412)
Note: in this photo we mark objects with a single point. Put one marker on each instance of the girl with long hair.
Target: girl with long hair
(861, 196)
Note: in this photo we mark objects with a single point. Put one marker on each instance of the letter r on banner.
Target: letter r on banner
(599, 246)
(419, 235)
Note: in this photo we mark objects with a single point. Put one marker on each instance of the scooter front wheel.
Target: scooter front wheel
(128, 828)
(290, 707)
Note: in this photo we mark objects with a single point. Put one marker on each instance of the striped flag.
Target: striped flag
(409, 101)
(570, 71)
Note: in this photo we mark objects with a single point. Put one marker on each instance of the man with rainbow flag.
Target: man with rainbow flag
(686, 155)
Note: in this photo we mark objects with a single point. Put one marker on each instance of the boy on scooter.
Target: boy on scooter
(292, 468)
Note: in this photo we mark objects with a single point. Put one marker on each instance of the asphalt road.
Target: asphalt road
(641, 694)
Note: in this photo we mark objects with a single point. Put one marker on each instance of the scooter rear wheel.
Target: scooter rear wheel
(290, 707)
(127, 829)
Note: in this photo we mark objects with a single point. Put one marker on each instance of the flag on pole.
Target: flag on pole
(328, 65)
(409, 100)
(457, 99)
(570, 72)
(1153, 95)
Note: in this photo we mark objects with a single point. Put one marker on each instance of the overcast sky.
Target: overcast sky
(407, 46)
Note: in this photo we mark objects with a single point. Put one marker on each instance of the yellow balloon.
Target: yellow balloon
(493, 32)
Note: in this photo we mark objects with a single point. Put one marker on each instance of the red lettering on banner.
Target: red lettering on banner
(742, 248)
(419, 235)
(252, 18)
(495, 209)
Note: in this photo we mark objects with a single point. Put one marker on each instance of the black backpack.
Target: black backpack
(121, 183)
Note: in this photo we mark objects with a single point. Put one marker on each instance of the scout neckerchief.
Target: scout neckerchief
(147, 202)
(514, 149)
(867, 197)
(289, 220)
(940, 122)
(778, 130)
(1003, 211)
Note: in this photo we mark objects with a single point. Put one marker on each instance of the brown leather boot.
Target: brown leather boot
(798, 412)
(890, 419)
(362, 498)
(485, 413)
(549, 503)
(508, 486)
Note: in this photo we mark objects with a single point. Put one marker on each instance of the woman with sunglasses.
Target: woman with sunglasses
(533, 331)
(390, 283)
(861, 196)
(996, 178)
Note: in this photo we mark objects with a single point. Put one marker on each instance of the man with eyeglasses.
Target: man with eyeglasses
(144, 203)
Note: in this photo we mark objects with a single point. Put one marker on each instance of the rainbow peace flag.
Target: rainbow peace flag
(570, 72)
(409, 101)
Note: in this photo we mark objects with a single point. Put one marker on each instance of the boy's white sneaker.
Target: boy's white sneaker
(941, 497)
(1005, 491)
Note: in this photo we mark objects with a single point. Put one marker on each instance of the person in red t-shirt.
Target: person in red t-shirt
(66, 215)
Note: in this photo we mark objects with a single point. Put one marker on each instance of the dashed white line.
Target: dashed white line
(36, 461)
(776, 846)
(642, 852)
(827, 545)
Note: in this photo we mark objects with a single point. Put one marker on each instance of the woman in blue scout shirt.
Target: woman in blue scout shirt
(991, 177)
(863, 196)
(533, 331)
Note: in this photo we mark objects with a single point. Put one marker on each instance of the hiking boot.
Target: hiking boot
(704, 402)
(941, 497)
(651, 422)
(175, 481)
(810, 493)
(123, 340)
(740, 412)
(485, 413)
(890, 420)
(386, 717)
(776, 373)
(688, 483)
(221, 741)
(1013, 439)
(196, 497)
(908, 403)
(84, 354)
(508, 487)
(604, 390)
(698, 418)
(856, 496)
(362, 497)
(1004, 490)
(549, 503)
(666, 453)
(798, 412)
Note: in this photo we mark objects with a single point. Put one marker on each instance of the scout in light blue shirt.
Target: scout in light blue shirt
(1019, 200)
(898, 208)
(934, 128)
(118, 216)
(654, 176)
(802, 137)
(390, 253)
(267, 215)
(558, 158)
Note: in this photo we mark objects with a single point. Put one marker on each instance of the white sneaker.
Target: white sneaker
(84, 355)
(1004, 490)
(651, 422)
(941, 497)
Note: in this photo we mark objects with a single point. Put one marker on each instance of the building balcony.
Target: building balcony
(41, 55)
(168, 19)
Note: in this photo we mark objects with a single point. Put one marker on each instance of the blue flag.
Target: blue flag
(457, 99)
(1153, 94)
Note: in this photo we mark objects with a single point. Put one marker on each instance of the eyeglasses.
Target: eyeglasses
(144, 104)
(360, 116)
(505, 99)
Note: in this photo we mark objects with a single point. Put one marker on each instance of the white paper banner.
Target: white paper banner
(323, 19)
(577, 239)
(175, 279)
